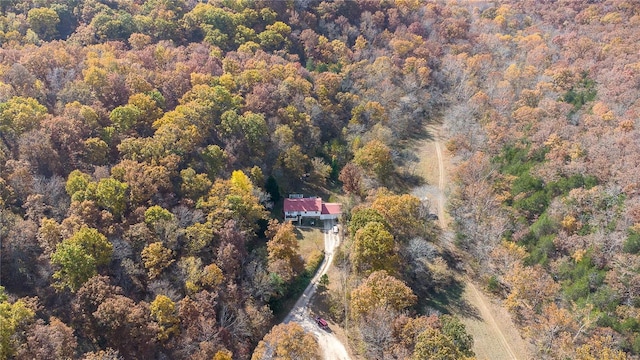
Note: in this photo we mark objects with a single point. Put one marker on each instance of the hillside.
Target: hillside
(143, 145)
(543, 123)
(146, 147)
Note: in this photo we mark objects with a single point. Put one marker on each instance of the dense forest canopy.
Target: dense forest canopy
(544, 123)
(145, 147)
(145, 144)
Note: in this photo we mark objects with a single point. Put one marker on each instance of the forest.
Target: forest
(146, 147)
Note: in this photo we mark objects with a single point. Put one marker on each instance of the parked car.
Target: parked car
(335, 229)
(322, 323)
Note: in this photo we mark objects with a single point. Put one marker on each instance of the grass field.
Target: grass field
(310, 241)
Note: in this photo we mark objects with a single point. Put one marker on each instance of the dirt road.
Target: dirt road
(330, 345)
(495, 336)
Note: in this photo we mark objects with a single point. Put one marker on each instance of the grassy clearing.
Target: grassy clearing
(310, 242)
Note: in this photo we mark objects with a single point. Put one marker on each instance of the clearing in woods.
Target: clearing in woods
(494, 333)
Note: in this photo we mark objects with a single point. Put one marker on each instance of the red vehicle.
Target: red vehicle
(322, 322)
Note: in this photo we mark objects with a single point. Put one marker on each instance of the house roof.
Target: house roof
(304, 204)
(331, 208)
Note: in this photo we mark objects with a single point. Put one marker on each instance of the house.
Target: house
(297, 207)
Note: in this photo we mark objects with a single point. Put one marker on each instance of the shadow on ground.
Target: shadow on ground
(450, 301)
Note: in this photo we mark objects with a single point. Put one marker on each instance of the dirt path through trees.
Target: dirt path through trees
(330, 345)
(495, 336)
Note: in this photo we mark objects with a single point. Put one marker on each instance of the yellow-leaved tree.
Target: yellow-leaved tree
(287, 342)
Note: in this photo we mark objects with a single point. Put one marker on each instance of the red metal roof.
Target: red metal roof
(305, 204)
(331, 208)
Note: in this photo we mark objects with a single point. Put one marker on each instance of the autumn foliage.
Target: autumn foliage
(145, 145)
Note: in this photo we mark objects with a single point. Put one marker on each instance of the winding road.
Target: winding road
(330, 345)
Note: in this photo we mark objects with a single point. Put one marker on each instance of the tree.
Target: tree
(275, 36)
(198, 236)
(49, 341)
(457, 332)
(125, 117)
(108, 354)
(531, 288)
(76, 266)
(111, 195)
(223, 355)
(86, 301)
(381, 290)
(233, 199)
(351, 178)
(321, 171)
(77, 181)
(155, 214)
(361, 216)
(163, 310)
(434, 345)
(43, 21)
(375, 158)
(126, 326)
(282, 250)
(19, 115)
(214, 160)
(374, 249)
(49, 235)
(287, 342)
(156, 258)
(94, 244)
(403, 213)
(96, 151)
(194, 186)
(13, 316)
(294, 162)
(143, 181)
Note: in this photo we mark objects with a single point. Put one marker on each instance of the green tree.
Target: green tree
(77, 181)
(76, 266)
(155, 214)
(434, 345)
(294, 162)
(94, 244)
(96, 151)
(275, 36)
(214, 160)
(374, 249)
(251, 128)
(457, 332)
(19, 115)
(43, 21)
(125, 117)
(113, 25)
(13, 316)
(194, 186)
(111, 194)
(361, 216)
(198, 236)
